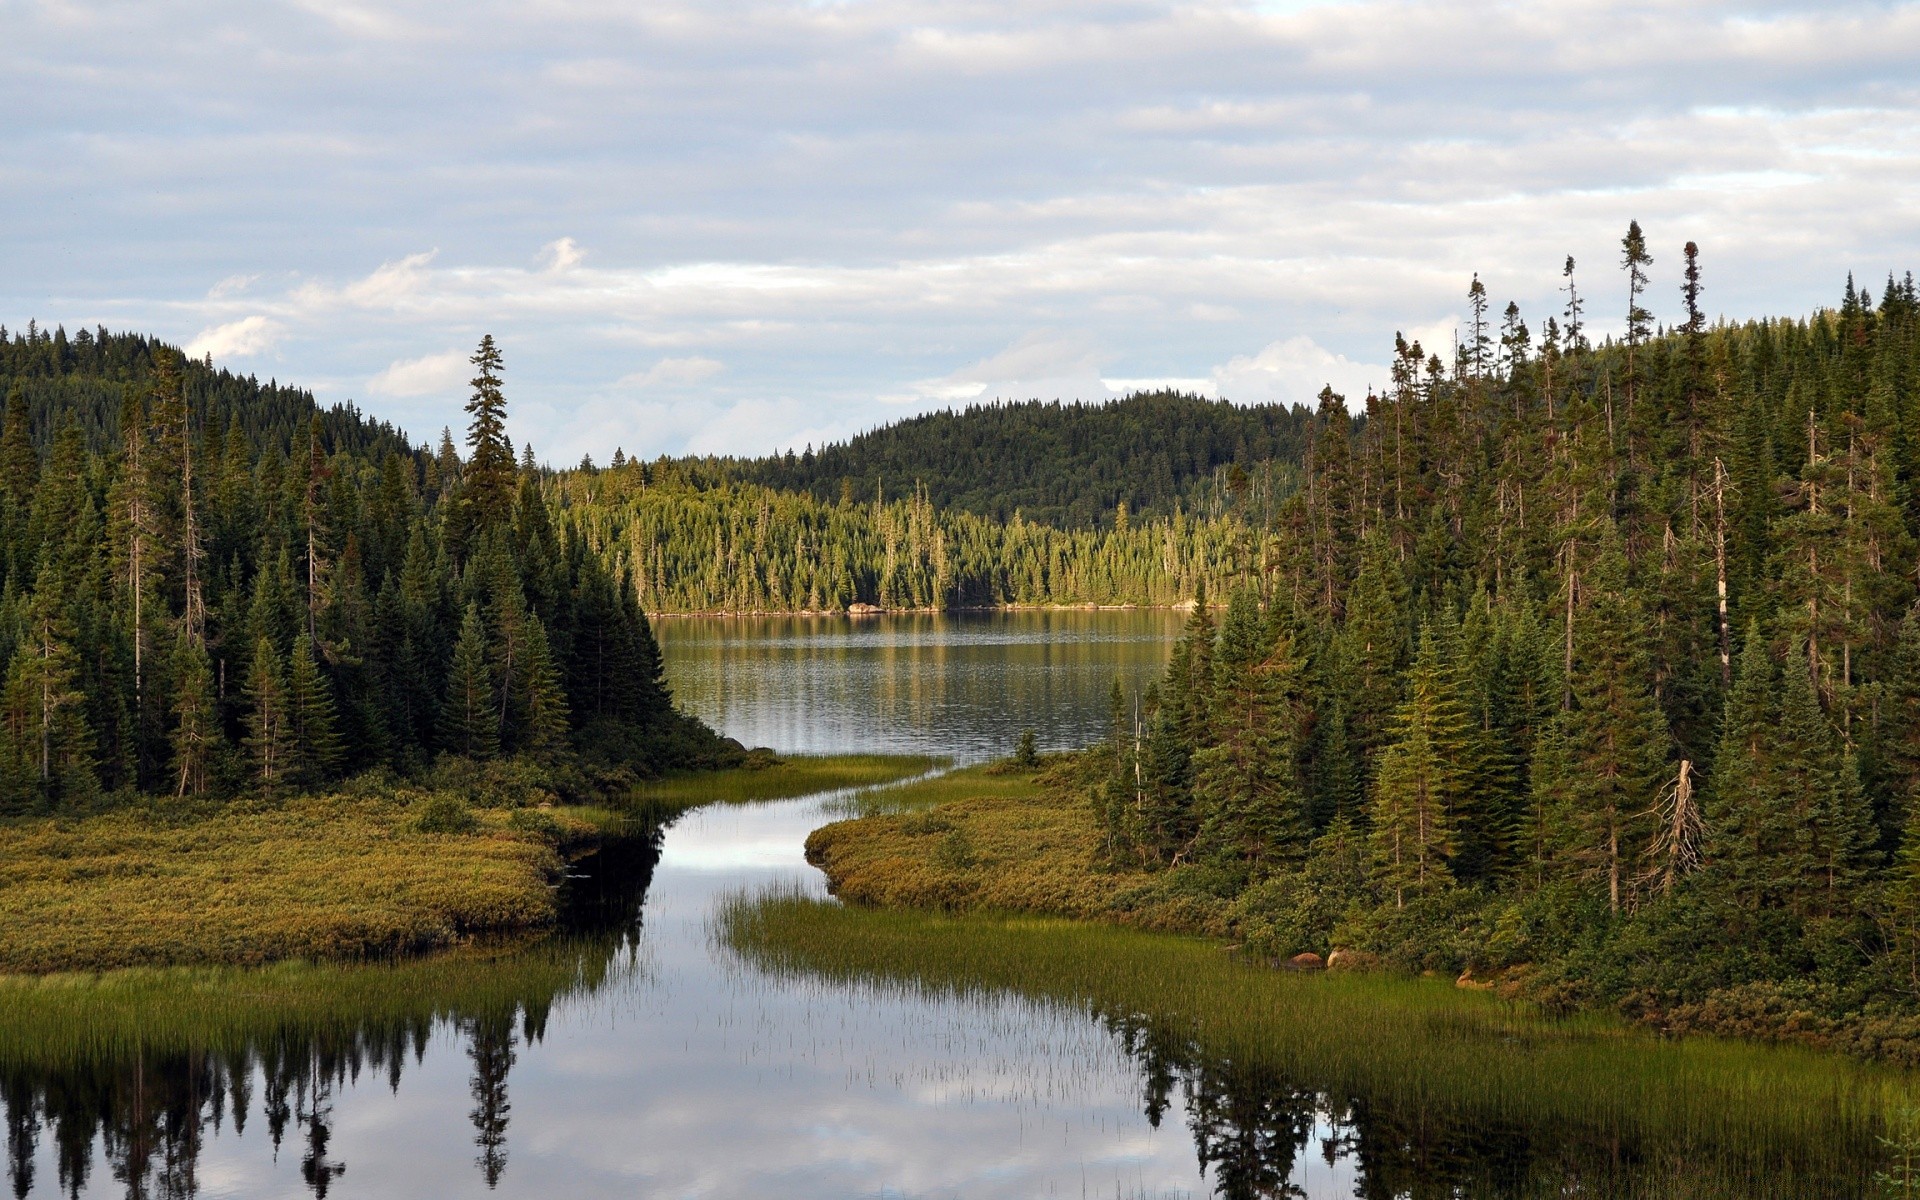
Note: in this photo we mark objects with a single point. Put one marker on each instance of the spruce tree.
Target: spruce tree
(469, 721)
(544, 734)
(489, 472)
(315, 747)
(196, 736)
(269, 738)
(1423, 780)
(1613, 737)
(1246, 786)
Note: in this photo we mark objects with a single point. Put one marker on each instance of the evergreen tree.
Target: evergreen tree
(1246, 787)
(1613, 738)
(314, 745)
(489, 472)
(196, 735)
(271, 751)
(469, 721)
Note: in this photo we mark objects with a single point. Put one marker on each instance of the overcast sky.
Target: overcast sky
(733, 226)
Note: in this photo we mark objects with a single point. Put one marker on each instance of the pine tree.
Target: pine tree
(196, 735)
(269, 738)
(489, 471)
(469, 721)
(314, 747)
(544, 734)
(1613, 739)
(1246, 787)
(1635, 260)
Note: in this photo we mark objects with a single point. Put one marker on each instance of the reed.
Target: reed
(781, 779)
(336, 876)
(983, 780)
(1422, 1046)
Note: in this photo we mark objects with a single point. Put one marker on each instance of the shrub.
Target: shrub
(446, 814)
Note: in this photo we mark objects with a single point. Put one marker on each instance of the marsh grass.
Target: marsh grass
(982, 781)
(1004, 839)
(336, 876)
(1422, 1046)
(74, 1018)
(781, 779)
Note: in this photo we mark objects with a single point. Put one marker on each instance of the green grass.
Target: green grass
(984, 780)
(1421, 1046)
(336, 876)
(794, 775)
(996, 838)
(73, 1018)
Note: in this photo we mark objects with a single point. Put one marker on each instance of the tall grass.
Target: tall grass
(331, 876)
(1421, 1046)
(61, 1020)
(794, 775)
(988, 780)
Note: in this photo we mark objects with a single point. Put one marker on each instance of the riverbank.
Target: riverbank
(374, 869)
(1039, 852)
(1587, 1105)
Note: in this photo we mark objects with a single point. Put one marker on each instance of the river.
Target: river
(678, 1069)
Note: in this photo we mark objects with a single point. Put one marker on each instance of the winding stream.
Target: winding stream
(674, 1068)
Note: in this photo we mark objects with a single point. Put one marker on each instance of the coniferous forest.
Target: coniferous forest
(1595, 664)
(213, 587)
(1595, 668)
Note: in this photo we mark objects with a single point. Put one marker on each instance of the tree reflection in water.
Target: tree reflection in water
(148, 1114)
(1252, 1127)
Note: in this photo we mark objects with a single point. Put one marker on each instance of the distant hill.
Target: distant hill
(83, 379)
(1068, 465)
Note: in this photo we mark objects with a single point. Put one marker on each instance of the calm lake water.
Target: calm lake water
(683, 1071)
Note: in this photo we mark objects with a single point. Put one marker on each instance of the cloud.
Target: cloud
(244, 338)
(1044, 363)
(1293, 372)
(562, 255)
(692, 369)
(422, 376)
(868, 208)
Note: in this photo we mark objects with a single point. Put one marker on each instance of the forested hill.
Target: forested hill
(83, 380)
(1594, 665)
(212, 588)
(1065, 465)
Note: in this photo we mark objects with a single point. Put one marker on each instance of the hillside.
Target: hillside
(1067, 465)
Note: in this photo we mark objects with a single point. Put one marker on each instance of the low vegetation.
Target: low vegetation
(1003, 839)
(1717, 1114)
(346, 874)
(769, 777)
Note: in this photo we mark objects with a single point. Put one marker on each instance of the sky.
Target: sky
(737, 226)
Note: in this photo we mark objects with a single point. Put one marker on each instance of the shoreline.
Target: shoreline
(865, 611)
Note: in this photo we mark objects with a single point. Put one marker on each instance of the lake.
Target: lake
(640, 1055)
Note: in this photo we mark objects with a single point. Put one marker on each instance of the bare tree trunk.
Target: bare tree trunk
(1720, 569)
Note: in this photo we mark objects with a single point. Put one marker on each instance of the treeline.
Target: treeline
(1073, 466)
(219, 589)
(1595, 664)
(694, 543)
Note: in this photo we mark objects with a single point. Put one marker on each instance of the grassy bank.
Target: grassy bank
(1001, 839)
(1722, 1114)
(375, 869)
(80, 1017)
(780, 778)
(348, 874)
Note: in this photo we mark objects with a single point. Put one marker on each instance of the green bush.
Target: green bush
(446, 814)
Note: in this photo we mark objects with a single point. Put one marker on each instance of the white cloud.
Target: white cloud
(1293, 372)
(674, 371)
(236, 339)
(562, 255)
(846, 202)
(422, 376)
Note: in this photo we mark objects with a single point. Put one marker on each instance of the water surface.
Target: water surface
(675, 1068)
